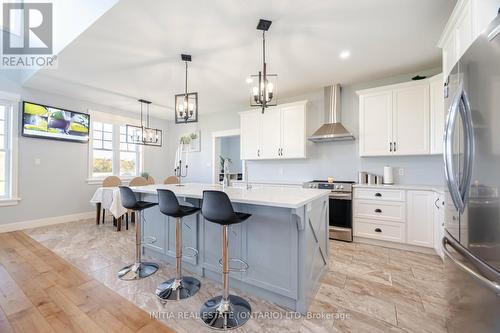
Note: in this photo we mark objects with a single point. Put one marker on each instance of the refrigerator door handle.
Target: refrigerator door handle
(449, 169)
(465, 113)
(492, 285)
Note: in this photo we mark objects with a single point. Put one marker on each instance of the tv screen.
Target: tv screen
(52, 123)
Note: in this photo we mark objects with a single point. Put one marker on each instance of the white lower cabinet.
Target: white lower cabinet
(403, 216)
(383, 230)
(420, 219)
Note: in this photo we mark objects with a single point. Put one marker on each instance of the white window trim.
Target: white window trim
(113, 119)
(14, 198)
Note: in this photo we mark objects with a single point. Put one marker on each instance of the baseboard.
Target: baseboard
(45, 221)
(393, 245)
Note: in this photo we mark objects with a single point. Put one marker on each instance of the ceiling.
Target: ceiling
(133, 50)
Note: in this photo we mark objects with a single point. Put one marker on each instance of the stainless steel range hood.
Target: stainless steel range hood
(332, 130)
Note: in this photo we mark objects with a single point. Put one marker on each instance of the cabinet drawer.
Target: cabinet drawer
(382, 230)
(380, 210)
(379, 194)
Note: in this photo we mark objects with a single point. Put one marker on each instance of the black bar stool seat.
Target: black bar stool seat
(179, 287)
(139, 269)
(226, 311)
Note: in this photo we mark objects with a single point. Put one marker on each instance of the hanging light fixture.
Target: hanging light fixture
(263, 93)
(144, 134)
(186, 105)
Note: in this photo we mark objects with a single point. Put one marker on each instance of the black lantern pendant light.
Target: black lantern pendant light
(186, 105)
(264, 92)
(144, 134)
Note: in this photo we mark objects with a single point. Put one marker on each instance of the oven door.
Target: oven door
(340, 220)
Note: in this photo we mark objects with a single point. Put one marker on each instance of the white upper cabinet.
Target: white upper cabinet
(437, 113)
(395, 120)
(279, 133)
(375, 122)
(467, 21)
(293, 131)
(250, 134)
(271, 134)
(411, 120)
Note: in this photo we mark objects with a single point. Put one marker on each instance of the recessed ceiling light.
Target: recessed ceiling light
(249, 80)
(345, 54)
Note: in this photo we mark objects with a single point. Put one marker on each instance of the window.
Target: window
(128, 155)
(102, 145)
(4, 151)
(8, 149)
(110, 154)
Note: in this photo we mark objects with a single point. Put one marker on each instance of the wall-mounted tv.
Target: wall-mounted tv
(42, 121)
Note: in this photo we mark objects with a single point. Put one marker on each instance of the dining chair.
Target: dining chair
(138, 181)
(151, 180)
(171, 180)
(110, 181)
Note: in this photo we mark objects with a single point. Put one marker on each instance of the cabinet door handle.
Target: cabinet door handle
(378, 230)
(258, 152)
(395, 146)
(281, 151)
(436, 203)
(390, 147)
(378, 194)
(378, 210)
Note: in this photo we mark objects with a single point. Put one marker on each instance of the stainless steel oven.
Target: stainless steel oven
(340, 219)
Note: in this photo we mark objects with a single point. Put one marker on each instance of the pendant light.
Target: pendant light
(144, 134)
(186, 104)
(263, 93)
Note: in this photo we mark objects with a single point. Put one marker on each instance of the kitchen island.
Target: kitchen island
(285, 242)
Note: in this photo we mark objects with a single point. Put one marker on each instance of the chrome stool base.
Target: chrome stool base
(174, 289)
(225, 315)
(137, 271)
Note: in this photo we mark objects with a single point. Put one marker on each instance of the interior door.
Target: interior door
(293, 132)
(375, 124)
(250, 135)
(271, 134)
(411, 120)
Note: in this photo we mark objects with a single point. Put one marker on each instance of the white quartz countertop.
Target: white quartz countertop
(435, 188)
(274, 196)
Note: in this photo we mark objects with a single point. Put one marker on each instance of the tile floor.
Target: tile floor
(367, 288)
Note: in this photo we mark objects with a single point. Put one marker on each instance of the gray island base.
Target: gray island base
(285, 242)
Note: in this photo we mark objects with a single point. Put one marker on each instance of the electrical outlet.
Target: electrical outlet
(38, 161)
(281, 171)
(401, 171)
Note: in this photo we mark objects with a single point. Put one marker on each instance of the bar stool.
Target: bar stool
(226, 311)
(139, 269)
(180, 287)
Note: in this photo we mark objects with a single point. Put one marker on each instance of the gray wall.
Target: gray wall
(57, 186)
(338, 159)
(230, 148)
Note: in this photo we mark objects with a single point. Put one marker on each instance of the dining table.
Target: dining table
(109, 198)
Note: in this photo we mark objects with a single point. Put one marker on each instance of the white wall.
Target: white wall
(57, 186)
(338, 159)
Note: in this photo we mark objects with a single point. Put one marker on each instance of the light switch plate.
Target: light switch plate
(401, 171)
(38, 161)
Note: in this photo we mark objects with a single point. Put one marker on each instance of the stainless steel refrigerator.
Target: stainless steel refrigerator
(472, 168)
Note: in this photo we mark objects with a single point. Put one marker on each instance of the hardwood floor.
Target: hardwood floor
(41, 292)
